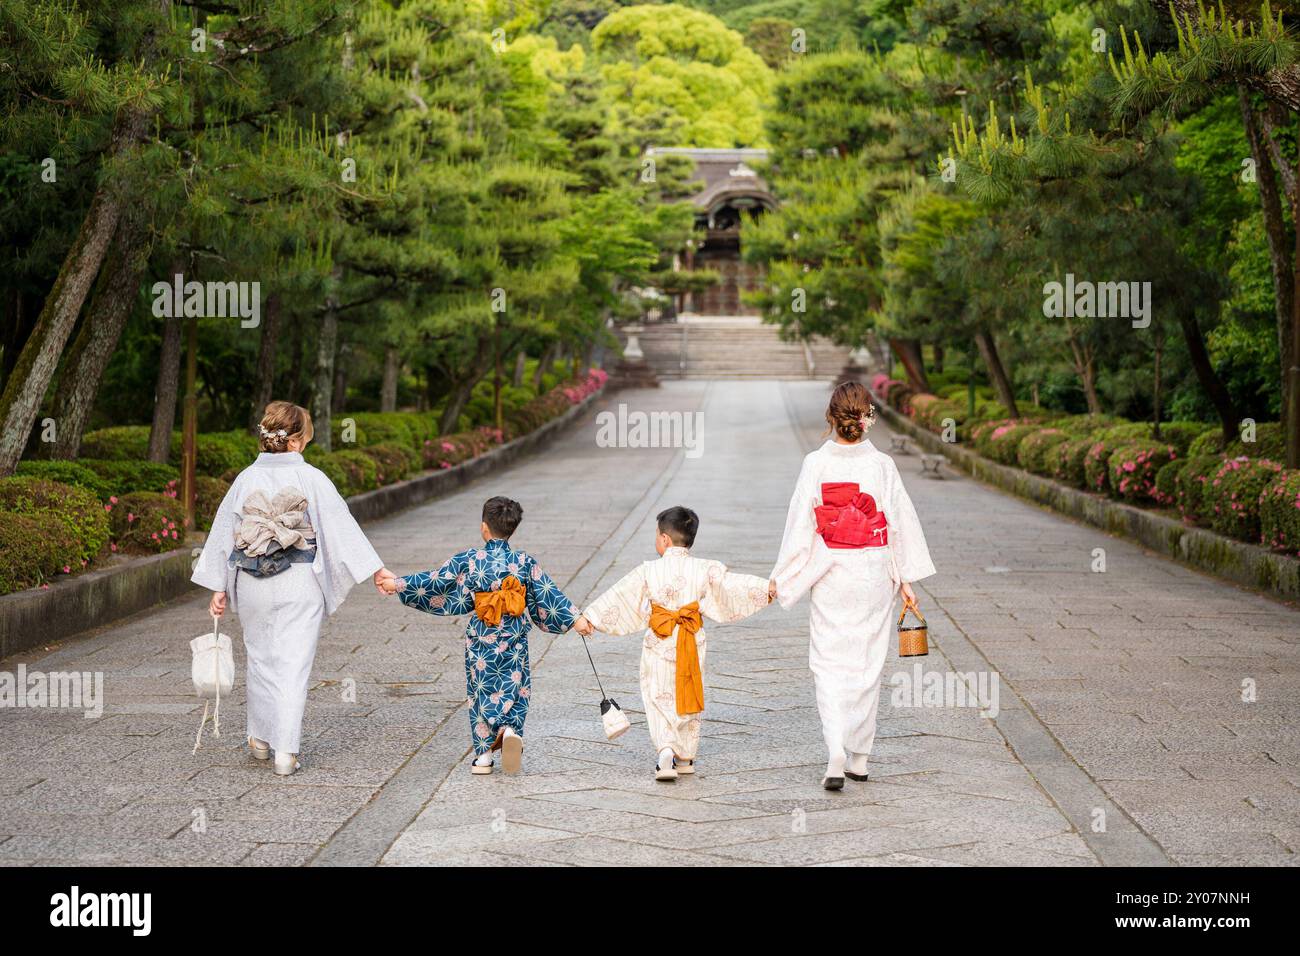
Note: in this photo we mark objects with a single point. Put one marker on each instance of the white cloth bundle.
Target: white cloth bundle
(212, 669)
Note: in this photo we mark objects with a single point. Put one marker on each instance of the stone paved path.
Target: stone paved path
(1120, 734)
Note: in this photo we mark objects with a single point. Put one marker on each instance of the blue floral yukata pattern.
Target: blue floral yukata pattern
(498, 682)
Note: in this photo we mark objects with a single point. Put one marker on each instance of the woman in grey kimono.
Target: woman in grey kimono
(283, 552)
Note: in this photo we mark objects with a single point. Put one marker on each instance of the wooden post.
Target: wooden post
(190, 425)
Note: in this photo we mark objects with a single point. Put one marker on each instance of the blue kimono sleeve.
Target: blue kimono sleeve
(548, 606)
(438, 592)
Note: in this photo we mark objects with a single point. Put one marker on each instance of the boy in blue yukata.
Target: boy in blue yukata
(505, 592)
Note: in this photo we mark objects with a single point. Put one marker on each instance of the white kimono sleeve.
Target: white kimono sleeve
(730, 596)
(622, 609)
(344, 556)
(906, 539)
(211, 571)
(804, 557)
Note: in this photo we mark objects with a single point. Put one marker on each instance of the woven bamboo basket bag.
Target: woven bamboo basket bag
(913, 641)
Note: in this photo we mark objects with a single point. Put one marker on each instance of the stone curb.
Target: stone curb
(34, 617)
(1237, 561)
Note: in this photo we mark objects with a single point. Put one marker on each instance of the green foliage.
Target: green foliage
(121, 477)
(1037, 451)
(78, 511)
(1190, 485)
(393, 462)
(33, 551)
(148, 522)
(1166, 486)
(1071, 458)
(69, 473)
(1230, 498)
(1134, 468)
(1279, 512)
(687, 64)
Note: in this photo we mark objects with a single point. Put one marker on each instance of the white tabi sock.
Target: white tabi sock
(857, 763)
(483, 760)
(835, 766)
(666, 758)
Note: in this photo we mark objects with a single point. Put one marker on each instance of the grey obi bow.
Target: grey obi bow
(272, 534)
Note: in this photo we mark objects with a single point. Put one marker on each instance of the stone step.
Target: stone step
(731, 351)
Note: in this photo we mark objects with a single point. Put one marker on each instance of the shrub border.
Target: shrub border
(37, 616)
(1237, 561)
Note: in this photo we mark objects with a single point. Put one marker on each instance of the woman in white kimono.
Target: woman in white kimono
(284, 551)
(852, 538)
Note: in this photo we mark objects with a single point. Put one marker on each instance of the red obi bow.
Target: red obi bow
(848, 518)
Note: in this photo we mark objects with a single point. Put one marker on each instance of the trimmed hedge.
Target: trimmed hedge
(1166, 491)
(1206, 443)
(1279, 512)
(32, 550)
(1190, 484)
(392, 461)
(1070, 456)
(360, 472)
(1232, 496)
(76, 509)
(1037, 451)
(1133, 469)
(215, 452)
(69, 473)
(1269, 443)
(1096, 463)
(148, 522)
(1004, 443)
(124, 477)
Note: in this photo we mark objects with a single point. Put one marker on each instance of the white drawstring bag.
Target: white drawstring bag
(612, 717)
(212, 668)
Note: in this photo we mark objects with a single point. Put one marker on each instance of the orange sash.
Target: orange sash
(690, 681)
(491, 605)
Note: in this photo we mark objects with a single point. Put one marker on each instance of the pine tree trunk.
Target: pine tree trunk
(456, 402)
(339, 401)
(543, 365)
(1229, 417)
(909, 353)
(166, 390)
(106, 316)
(392, 370)
(997, 372)
(264, 376)
(1281, 252)
(323, 392)
(521, 361)
(25, 388)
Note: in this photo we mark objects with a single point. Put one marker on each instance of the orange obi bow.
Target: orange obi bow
(848, 518)
(690, 681)
(491, 605)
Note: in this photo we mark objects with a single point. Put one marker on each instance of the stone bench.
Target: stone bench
(930, 465)
(898, 445)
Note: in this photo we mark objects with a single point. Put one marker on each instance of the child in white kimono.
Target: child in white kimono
(669, 598)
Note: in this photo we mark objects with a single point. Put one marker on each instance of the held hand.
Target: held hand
(583, 627)
(217, 606)
(385, 581)
(909, 596)
(771, 591)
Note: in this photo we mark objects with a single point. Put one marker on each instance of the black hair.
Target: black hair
(502, 515)
(680, 524)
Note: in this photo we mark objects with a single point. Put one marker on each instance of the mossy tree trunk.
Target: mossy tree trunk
(115, 295)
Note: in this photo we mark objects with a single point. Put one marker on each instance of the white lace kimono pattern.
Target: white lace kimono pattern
(673, 581)
(852, 590)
